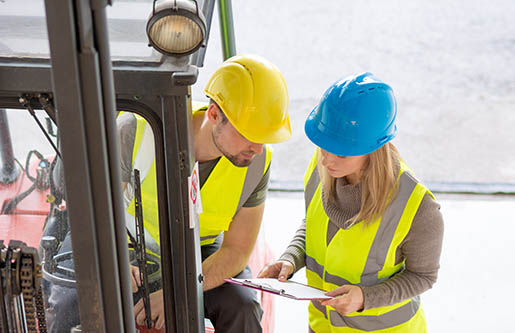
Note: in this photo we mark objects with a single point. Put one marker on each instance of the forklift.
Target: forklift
(68, 68)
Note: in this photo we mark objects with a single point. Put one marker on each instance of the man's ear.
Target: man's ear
(213, 113)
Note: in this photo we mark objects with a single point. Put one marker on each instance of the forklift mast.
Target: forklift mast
(82, 87)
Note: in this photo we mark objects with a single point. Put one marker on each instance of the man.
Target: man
(248, 108)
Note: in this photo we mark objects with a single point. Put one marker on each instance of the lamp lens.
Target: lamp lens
(176, 34)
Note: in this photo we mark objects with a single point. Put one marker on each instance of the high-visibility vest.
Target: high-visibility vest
(361, 255)
(223, 193)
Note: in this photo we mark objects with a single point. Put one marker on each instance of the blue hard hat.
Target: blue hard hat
(355, 116)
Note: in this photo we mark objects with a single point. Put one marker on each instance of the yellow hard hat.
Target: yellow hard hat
(253, 95)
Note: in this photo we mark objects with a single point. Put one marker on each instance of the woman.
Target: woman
(372, 235)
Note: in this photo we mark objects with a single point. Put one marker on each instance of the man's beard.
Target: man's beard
(234, 159)
(238, 161)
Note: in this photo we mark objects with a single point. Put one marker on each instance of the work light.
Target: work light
(176, 27)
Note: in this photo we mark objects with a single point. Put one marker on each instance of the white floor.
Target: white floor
(474, 292)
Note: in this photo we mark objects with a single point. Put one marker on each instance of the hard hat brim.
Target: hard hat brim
(277, 135)
(336, 145)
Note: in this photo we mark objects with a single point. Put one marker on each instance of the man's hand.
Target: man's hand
(280, 269)
(157, 308)
(349, 298)
(135, 278)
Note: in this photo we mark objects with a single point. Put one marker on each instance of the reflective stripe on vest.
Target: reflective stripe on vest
(359, 255)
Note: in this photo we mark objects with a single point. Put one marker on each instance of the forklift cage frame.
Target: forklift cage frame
(87, 90)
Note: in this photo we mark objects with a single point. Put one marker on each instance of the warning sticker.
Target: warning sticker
(195, 203)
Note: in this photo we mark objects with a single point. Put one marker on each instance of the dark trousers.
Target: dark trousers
(232, 308)
(62, 313)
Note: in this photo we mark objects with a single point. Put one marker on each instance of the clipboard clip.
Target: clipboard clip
(264, 287)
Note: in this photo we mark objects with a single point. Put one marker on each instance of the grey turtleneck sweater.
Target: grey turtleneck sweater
(421, 248)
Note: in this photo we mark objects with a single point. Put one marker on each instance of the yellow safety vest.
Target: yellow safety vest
(360, 256)
(223, 193)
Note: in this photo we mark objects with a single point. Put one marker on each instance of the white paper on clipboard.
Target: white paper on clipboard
(290, 289)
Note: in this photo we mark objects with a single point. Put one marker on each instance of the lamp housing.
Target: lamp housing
(176, 27)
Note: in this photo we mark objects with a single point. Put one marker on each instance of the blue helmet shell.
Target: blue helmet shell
(355, 116)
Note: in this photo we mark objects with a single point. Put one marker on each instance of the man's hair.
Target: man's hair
(224, 117)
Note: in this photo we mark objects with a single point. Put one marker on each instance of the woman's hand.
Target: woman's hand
(348, 298)
(280, 269)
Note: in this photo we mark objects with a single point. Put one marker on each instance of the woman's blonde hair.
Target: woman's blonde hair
(379, 183)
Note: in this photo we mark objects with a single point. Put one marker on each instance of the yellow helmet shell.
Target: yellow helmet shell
(252, 93)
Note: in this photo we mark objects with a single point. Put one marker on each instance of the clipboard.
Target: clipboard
(290, 289)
